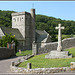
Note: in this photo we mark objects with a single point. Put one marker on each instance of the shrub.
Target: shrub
(8, 39)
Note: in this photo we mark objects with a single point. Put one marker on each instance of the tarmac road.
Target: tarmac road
(5, 64)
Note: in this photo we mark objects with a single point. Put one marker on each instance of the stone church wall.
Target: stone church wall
(1, 33)
(25, 22)
(67, 43)
(27, 31)
(18, 21)
(6, 53)
(20, 45)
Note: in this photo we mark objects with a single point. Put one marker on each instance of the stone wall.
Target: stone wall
(47, 48)
(67, 43)
(29, 70)
(6, 52)
(18, 70)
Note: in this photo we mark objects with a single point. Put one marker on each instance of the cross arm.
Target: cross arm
(56, 27)
(59, 27)
(62, 27)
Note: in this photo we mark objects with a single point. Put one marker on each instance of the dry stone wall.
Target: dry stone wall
(6, 52)
(67, 43)
(15, 69)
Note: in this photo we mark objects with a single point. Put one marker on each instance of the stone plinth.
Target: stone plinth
(57, 54)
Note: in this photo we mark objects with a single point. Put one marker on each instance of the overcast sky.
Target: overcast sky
(64, 10)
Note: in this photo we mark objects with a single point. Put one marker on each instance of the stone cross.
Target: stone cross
(59, 48)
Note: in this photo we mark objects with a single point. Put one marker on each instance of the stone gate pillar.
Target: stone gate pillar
(34, 48)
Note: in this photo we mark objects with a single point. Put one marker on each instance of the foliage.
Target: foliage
(8, 39)
(71, 51)
(5, 18)
(42, 23)
(49, 23)
(23, 53)
(66, 36)
(39, 61)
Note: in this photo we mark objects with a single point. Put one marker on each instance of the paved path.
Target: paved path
(5, 64)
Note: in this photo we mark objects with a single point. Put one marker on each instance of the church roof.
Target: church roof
(41, 32)
(41, 36)
(13, 31)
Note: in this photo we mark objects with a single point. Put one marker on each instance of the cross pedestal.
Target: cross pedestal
(59, 53)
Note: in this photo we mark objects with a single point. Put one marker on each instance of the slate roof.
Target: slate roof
(13, 31)
(41, 35)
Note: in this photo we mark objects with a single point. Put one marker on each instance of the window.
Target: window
(14, 19)
(17, 19)
(22, 17)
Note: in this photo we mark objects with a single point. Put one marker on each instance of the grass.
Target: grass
(66, 36)
(39, 61)
(71, 51)
(23, 53)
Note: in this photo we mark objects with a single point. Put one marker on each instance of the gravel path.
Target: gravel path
(5, 64)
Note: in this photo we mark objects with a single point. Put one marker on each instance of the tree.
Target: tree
(8, 39)
(43, 22)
